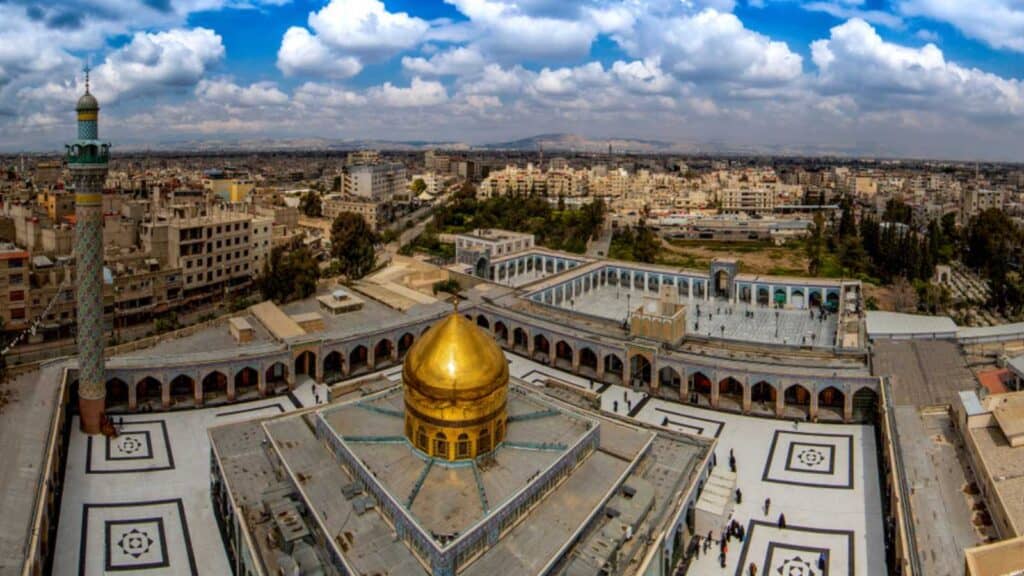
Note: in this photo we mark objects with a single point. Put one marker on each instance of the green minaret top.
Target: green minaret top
(87, 149)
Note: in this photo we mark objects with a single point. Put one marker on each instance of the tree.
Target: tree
(814, 245)
(646, 244)
(904, 297)
(450, 286)
(418, 186)
(311, 204)
(289, 274)
(352, 243)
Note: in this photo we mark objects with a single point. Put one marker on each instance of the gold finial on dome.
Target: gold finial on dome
(456, 388)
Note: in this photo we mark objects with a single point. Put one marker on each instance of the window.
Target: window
(17, 295)
(483, 442)
(441, 445)
(462, 446)
(421, 439)
(17, 313)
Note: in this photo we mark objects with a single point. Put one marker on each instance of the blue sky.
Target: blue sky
(913, 78)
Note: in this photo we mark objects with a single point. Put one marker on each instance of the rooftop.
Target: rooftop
(449, 501)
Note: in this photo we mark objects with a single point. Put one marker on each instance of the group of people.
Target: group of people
(736, 530)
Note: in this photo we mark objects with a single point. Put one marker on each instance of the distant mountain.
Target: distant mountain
(552, 143)
(577, 143)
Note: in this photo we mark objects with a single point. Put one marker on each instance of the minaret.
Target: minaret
(87, 158)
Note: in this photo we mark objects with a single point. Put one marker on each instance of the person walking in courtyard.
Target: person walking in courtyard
(767, 505)
(821, 561)
(739, 496)
(732, 462)
(782, 520)
(753, 569)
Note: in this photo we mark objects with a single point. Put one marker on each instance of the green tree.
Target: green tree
(897, 211)
(450, 286)
(815, 244)
(418, 186)
(352, 244)
(646, 244)
(289, 274)
(311, 204)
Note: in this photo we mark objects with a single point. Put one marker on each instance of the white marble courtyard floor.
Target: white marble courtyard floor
(140, 504)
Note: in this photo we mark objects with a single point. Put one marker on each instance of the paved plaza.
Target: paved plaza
(720, 319)
(140, 503)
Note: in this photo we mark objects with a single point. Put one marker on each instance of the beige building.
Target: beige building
(14, 287)
(377, 181)
(262, 242)
(748, 200)
(375, 213)
(993, 432)
(214, 252)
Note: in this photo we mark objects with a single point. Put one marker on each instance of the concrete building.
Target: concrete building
(751, 200)
(482, 246)
(230, 190)
(14, 287)
(262, 242)
(374, 212)
(435, 161)
(214, 252)
(378, 181)
(978, 200)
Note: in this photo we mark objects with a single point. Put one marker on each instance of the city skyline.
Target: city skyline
(908, 78)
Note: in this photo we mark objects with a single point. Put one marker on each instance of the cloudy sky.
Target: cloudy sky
(915, 78)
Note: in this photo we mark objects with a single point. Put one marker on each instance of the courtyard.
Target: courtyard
(719, 318)
(141, 503)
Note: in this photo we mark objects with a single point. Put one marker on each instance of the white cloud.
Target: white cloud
(316, 96)
(570, 81)
(713, 46)
(152, 62)
(845, 9)
(222, 91)
(998, 23)
(302, 53)
(366, 28)
(456, 61)
(419, 93)
(343, 35)
(642, 76)
(506, 30)
(856, 61)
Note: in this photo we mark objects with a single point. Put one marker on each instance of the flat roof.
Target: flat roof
(996, 559)
(897, 325)
(1005, 467)
(280, 325)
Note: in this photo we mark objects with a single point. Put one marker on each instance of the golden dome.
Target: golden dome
(455, 360)
(456, 390)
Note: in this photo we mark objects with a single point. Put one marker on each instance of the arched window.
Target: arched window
(483, 442)
(421, 439)
(462, 446)
(441, 445)
(499, 431)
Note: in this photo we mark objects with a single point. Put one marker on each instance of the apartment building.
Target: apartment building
(14, 287)
(376, 214)
(437, 162)
(747, 200)
(379, 181)
(978, 200)
(214, 252)
(262, 242)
